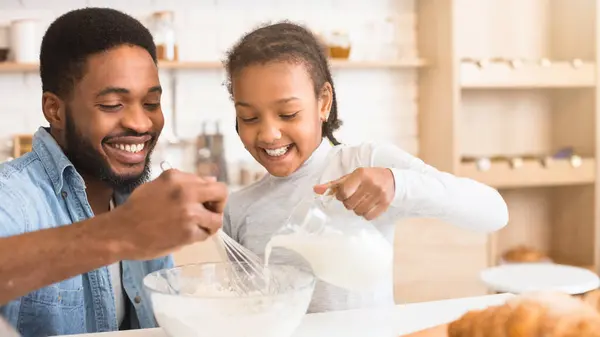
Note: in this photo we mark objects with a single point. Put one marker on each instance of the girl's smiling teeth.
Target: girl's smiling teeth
(132, 148)
(278, 152)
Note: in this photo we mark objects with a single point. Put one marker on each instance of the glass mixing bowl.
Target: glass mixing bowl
(197, 301)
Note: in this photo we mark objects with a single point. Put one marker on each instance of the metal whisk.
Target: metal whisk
(246, 270)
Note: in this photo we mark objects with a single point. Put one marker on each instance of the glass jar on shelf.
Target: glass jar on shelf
(339, 45)
(163, 31)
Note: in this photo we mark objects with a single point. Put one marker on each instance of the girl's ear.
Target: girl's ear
(325, 101)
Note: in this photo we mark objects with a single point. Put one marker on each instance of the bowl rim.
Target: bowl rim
(308, 285)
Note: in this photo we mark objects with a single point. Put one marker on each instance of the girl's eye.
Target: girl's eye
(248, 120)
(290, 116)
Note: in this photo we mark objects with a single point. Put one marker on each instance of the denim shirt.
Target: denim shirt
(42, 189)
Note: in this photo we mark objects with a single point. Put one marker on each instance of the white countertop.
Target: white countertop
(399, 320)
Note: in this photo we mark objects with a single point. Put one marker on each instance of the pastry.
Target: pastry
(523, 254)
(592, 298)
(539, 314)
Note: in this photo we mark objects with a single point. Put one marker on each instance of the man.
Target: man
(68, 262)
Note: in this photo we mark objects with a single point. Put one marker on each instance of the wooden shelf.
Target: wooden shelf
(8, 67)
(347, 64)
(529, 75)
(402, 63)
(532, 174)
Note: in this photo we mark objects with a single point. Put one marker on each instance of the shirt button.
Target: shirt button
(137, 300)
(64, 194)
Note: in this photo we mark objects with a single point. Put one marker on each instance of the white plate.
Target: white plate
(518, 278)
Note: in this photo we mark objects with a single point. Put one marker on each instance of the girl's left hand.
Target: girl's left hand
(366, 191)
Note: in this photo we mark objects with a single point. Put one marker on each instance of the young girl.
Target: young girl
(285, 102)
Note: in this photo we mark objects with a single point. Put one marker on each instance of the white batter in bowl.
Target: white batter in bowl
(197, 301)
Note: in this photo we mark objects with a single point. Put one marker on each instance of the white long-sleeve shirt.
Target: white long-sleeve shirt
(255, 213)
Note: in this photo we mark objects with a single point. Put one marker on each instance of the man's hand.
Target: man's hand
(174, 210)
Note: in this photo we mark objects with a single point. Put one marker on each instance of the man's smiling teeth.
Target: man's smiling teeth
(133, 148)
(277, 152)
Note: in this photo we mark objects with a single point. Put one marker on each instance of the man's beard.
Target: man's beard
(89, 162)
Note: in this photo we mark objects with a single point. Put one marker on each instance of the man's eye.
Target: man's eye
(152, 106)
(107, 107)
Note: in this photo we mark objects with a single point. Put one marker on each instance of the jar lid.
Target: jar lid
(163, 15)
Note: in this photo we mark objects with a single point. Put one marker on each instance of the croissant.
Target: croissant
(539, 314)
(524, 254)
(592, 298)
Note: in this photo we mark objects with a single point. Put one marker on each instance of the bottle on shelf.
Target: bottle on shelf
(4, 42)
(163, 31)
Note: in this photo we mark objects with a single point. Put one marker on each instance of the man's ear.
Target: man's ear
(54, 110)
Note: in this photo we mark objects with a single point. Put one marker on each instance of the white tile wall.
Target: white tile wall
(374, 104)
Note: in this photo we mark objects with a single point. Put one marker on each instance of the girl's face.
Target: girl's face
(279, 118)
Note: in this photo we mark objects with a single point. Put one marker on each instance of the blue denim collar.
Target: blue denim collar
(53, 159)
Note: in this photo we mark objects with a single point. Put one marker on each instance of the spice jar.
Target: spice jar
(164, 36)
(339, 45)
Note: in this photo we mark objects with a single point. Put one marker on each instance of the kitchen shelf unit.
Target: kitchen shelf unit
(532, 173)
(503, 108)
(562, 74)
(7, 67)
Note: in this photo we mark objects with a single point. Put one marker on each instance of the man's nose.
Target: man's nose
(137, 119)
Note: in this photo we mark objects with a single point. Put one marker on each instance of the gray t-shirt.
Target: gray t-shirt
(254, 213)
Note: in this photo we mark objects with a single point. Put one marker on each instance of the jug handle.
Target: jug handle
(327, 197)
